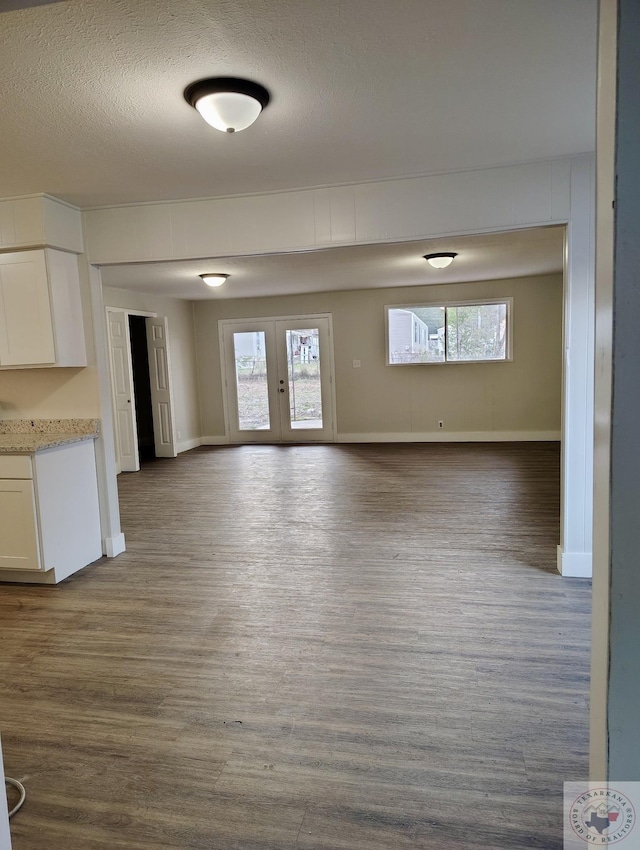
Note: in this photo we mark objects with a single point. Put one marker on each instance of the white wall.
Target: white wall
(183, 355)
(515, 400)
(482, 200)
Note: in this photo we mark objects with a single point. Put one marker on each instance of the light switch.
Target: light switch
(356, 364)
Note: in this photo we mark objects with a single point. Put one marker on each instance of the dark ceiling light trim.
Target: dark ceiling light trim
(441, 259)
(213, 98)
(214, 85)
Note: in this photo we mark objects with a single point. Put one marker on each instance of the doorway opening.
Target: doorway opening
(142, 388)
(144, 426)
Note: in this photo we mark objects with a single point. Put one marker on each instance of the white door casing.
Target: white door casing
(123, 400)
(164, 429)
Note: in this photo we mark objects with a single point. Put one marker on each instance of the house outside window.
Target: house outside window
(461, 332)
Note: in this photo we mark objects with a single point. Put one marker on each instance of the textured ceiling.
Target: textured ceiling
(491, 256)
(92, 106)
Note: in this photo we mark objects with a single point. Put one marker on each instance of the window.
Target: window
(467, 332)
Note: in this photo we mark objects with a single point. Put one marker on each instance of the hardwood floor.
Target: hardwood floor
(327, 647)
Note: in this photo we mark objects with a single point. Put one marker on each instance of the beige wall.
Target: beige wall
(521, 396)
(182, 352)
(49, 393)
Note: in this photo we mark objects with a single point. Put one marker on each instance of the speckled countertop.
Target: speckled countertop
(26, 436)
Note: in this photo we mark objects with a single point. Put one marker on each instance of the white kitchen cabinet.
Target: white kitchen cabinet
(19, 547)
(49, 513)
(41, 320)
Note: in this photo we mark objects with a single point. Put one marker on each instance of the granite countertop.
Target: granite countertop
(26, 436)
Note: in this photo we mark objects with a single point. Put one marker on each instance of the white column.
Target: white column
(113, 542)
(5, 838)
(574, 552)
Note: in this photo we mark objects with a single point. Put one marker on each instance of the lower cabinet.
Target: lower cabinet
(19, 546)
(49, 513)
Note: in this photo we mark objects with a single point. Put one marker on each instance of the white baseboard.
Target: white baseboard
(452, 437)
(575, 564)
(420, 437)
(186, 445)
(112, 546)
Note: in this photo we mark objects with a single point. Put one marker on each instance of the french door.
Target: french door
(278, 376)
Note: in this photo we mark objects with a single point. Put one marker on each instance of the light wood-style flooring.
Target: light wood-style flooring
(327, 647)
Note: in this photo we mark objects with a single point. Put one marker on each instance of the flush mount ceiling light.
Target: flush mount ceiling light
(214, 279)
(227, 103)
(441, 260)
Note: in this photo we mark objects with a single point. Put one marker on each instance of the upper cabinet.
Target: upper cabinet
(40, 310)
(39, 220)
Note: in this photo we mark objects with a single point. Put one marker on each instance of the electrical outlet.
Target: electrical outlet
(179, 435)
(356, 364)
(440, 424)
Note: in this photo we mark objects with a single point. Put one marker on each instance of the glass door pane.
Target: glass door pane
(303, 373)
(304, 365)
(250, 363)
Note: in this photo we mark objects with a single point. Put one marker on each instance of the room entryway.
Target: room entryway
(141, 386)
(278, 378)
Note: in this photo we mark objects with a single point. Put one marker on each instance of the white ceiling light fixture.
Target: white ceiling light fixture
(214, 279)
(441, 260)
(227, 103)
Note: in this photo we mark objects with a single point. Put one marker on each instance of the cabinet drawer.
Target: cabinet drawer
(15, 466)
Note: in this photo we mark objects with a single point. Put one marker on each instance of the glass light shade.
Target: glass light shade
(229, 111)
(214, 279)
(439, 262)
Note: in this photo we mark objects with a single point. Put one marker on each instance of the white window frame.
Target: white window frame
(508, 358)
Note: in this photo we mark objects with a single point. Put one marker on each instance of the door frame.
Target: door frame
(128, 365)
(297, 317)
(147, 314)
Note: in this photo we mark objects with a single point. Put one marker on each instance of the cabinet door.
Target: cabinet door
(19, 547)
(26, 328)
